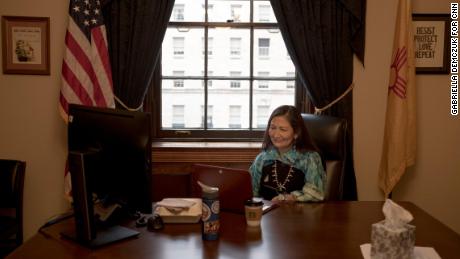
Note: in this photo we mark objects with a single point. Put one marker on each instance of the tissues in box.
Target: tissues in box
(179, 210)
(393, 237)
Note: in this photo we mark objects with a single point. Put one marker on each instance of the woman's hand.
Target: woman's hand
(284, 198)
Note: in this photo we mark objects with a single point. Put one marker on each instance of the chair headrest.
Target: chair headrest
(11, 181)
(328, 133)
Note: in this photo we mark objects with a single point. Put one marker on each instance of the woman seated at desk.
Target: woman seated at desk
(288, 168)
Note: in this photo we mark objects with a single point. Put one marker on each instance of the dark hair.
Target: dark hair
(303, 141)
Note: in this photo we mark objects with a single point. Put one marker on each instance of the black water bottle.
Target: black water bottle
(210, 216)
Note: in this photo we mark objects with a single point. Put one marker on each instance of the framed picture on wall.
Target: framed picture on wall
(431, 43)
(26, 45)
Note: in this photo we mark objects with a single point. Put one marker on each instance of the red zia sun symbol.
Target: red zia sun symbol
(397, 82)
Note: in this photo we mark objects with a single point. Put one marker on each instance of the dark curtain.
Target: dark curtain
(135, 31)
(321, 37)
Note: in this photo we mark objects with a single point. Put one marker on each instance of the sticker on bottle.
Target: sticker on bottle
(206, 212)
(215, 207)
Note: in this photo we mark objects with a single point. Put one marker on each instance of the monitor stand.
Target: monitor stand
(104, 236)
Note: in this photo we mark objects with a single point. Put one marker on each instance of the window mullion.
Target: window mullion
(205, 115)
(251, 63)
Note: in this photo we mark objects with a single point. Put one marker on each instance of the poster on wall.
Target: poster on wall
(25, 45)
(431, 38)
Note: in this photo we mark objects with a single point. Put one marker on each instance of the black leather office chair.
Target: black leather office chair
(11, 196)
(329, 135)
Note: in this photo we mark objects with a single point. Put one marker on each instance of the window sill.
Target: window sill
(205, 152)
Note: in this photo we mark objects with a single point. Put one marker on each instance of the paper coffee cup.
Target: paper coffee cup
(253, 212)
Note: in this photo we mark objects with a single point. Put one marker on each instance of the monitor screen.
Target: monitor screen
(109, 161)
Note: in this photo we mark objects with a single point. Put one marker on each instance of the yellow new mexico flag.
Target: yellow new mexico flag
(399, 142)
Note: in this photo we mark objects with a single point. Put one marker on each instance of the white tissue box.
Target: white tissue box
(392, 243)
(190, 215)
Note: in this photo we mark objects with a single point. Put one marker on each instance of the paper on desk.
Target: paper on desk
(419, 252)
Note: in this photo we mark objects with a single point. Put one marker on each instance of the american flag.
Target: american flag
(86, 72)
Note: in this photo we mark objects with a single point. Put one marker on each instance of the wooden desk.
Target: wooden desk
(327, 230)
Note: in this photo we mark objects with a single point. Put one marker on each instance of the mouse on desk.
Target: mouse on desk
(155, 223)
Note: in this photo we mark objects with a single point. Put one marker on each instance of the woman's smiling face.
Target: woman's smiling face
(281, 133)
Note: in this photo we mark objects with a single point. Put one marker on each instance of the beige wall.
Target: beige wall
(433, 183)
(30, 126)
(31, 129)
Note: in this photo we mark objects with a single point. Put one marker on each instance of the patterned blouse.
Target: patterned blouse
(309, 163)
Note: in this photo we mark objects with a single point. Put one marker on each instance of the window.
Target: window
(208, 118)
(178, 116)
(235, 12)
(235, 47)
(209, 46)
(263, 83)
(178, 12)
(264, 45)
(235, 83)
(264, 13)
(209, 81)
(178, 46)
(245, 64)
(234, 116)
(210, 12)
(178, 82)
(262, 116)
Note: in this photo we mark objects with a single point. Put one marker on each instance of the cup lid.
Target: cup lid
(254, 202)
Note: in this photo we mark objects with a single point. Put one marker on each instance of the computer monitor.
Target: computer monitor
(110, 161)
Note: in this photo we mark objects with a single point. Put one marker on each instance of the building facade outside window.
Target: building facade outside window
(263, 84)
(178, 116)
(264, 13)
(235, 12)
(178, 12)
(209, 81)
(234, 116)
(235, 83)
(262, 116)
(178, 82)
(178, 46)
(210, 40)
(235, 47)
(210, 12)
(209, 117)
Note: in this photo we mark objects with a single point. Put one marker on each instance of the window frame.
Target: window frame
(154, 103)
